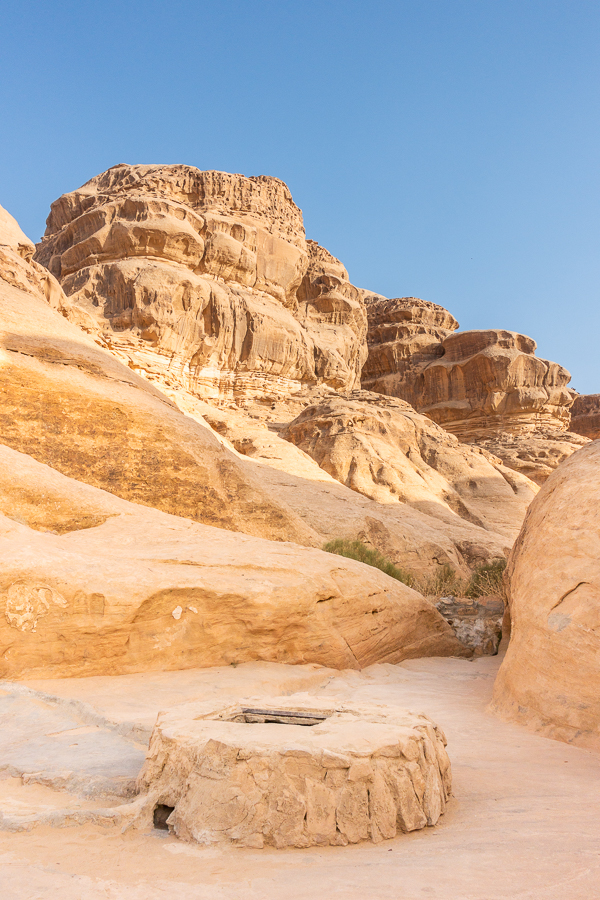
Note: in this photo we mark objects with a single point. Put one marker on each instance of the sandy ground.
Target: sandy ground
(524, 822)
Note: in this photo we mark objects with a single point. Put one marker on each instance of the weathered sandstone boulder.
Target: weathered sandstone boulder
(293, 772)
(92, 584)
(70, 403)
(382, 448)
(550, 677)
(208, 278)
(585, 416)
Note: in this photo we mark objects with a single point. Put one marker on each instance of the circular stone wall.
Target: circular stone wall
(293, 772)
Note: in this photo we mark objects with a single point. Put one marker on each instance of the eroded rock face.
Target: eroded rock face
(535, 454)
(91, 584)
(476, 623)
(70, 403)
(207, 278)
(356, 774)
(474, 383)
(404, 335)
(550, 677)
(486, 387)
(585, 416)
(382, 448)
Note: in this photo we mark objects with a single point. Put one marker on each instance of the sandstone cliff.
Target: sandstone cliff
(486, 387)
(208, 279)
(585, 416)
(550, 677)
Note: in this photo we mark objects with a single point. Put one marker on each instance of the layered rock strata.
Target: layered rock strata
(550, 677)
(91, 584)
(382, 448)
(404, 335)
(348, 774)
(207, 278)
(585, 416)
(486, 387)
(471, 382)
(71, 404)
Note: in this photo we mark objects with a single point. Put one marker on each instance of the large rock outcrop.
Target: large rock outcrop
(585, 416)
(404, 335)
(71, 404)
(382, 448)
(550, 677)
(482, 386)
(92, 584)
(207, 279)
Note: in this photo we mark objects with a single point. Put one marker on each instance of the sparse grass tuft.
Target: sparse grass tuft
(360, 552)
(444, 582)
(486, 580)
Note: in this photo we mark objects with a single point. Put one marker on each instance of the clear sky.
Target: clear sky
(446, 149)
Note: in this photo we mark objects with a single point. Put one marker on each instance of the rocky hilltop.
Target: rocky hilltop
(208, 278)
(205, 283)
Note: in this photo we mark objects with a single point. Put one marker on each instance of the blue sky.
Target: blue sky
(447, 149)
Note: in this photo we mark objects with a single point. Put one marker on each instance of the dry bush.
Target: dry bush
(486, 579)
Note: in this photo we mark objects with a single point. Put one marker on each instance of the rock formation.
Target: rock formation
(207, 278)
(382, 448)
(404, 335)
(217, 773)
(486, 387)
(535, 454)
(550, 677)
(92, 584)
(71, 404)
(476, 623)
(585, 416)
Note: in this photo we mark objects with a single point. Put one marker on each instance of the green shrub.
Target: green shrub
(362, 553)
(486, 580)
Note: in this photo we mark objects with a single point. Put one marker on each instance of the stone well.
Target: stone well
(293, 772)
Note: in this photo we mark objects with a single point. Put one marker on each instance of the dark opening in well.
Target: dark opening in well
(279, 717)
(161, 814)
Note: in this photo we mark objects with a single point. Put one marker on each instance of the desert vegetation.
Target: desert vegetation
(486, 579)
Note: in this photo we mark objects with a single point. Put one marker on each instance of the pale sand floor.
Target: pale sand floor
(524, 822)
